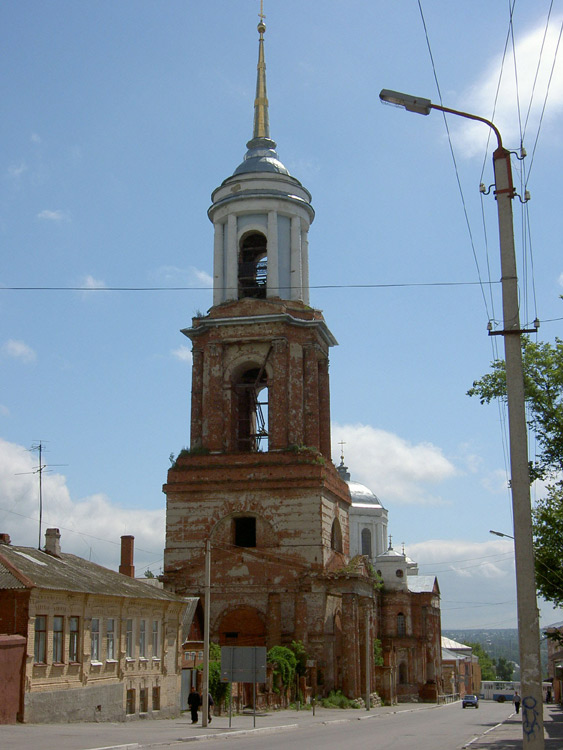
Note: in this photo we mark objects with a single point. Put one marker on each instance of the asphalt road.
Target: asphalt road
(404, 727)
(444, 728)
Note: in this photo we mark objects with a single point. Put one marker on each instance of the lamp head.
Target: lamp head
(410, 103)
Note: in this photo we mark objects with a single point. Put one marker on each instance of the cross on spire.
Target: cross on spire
(261, 14)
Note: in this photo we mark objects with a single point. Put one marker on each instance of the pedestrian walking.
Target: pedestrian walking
(210, 705)
(194, 702)
(517, 700)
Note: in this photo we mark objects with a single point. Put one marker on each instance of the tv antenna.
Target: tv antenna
(39, 471)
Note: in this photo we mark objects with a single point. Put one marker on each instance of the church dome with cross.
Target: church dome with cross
(368, 518)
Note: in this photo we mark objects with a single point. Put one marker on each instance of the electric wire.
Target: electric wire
(458, 180)
(537, 69)
(397, 285)
(545, 99)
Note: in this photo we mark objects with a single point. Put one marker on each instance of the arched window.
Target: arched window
(251, 392)
(366, 542)
(401, 624)
(253, 266)
(336, 536)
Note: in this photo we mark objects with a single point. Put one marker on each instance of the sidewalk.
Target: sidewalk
(134, 735)
(508, 735)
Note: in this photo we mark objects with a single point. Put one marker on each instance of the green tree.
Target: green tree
(543, 390)
(488, 671)
(377, 653)
(547, 518)
(285, 664)
(504, 669)
(301, 657)
(220, 691)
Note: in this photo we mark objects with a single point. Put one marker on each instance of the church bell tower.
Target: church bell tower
(257, 480)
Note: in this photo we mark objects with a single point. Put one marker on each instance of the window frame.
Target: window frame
(142, 639)
(156, 639)
(58, 639)
(129, 639)
(110, 639)
(40, 640)
(73, 639)
(95, 639)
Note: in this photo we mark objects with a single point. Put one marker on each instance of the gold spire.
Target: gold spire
(261, 122)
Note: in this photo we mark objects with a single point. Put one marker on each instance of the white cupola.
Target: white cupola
(261, 216)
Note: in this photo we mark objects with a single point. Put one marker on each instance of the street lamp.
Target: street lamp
(499, 533)
(528, 620)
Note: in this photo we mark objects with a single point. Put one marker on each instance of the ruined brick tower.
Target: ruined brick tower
(258, 480)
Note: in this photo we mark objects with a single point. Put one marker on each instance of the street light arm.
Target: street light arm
(469, 116)
(499, 533)
(423, 106)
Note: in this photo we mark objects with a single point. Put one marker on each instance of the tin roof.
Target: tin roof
(422, 584)
(70, 573)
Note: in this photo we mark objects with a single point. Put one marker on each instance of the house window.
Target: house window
(366, 542)
(40, 646)
(245, 531)
(129, 652)
(155, 640)
(95, 640)
(401, 625)
(143, 639)
(73, 639)
(130, 705)
(156, 699)
(110, 639)
(58, 633)
(143, 700)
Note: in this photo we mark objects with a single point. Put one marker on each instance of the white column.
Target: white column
(305, 265)
(231, 291)
(295, 268)
(218, 266)
(273, 280)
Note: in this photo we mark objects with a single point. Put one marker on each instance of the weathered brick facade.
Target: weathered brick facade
(258, 482)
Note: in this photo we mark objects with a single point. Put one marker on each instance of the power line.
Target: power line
(405, 284)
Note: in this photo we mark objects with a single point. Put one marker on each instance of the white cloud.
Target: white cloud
(391, 466)
(17, 170)
(90, 527)
(88, 284)
(19, 350)
(561, 279)
(183, 353)
(56, 216)
(91, 283)
(35, 138)
(480, 98)
(190, 276)
(4, 411)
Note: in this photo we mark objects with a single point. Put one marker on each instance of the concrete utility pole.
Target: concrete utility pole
(528, 616)
(206, 621)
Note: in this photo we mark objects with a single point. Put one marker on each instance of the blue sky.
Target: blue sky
(119, 119)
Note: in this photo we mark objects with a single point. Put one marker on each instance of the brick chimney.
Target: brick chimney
(5, 539)
(53, 542)
(127, 546)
